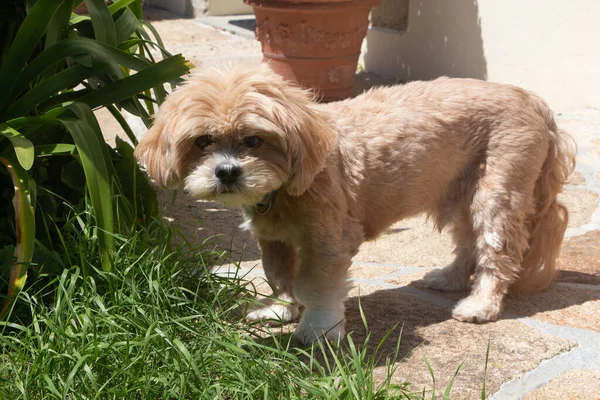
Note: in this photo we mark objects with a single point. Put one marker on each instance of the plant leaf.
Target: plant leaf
(72, 47)
(51, 86)
(75, 19)
(134, 183)
(119, 4)
(55, 149)
(25, 226)
(104, 26)
(134, 5)
(98, 170)
(58, 24)
(121, 120)
(28, 36)
(23, 146)
(152, 29)
(125, 25)
(166, 70)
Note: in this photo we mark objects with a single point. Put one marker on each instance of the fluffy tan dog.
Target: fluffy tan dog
(316, 180)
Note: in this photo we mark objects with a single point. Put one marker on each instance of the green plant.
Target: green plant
(159, 325)
(56, 67)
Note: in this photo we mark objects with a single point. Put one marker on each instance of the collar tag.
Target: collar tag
(265, 205)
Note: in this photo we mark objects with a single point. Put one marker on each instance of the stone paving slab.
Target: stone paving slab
(580, 259)
(402, 243)
(546, 345)
(429, 331)
(582, 204)
(560, 305)
(577, 384)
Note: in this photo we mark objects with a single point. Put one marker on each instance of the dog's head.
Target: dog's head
(235, 134)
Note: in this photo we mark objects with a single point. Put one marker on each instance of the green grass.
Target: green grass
(159, 326)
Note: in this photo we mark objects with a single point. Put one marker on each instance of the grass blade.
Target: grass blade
(451, 383)
(25, 226)
(487, 358)
(432, 376)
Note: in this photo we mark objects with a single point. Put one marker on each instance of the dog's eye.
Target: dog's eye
(252, 142)
(203, 141)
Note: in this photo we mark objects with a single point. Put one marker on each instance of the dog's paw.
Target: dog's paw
(476, 309)
(273, 311)
(316, 325)
(443, 280)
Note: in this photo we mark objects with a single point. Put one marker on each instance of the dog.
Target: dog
(485, 160)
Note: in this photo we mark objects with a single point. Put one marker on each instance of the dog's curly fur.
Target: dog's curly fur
(484, 159)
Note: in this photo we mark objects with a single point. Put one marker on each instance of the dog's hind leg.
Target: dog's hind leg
(279, 263)
(501, 207)
(455, 276)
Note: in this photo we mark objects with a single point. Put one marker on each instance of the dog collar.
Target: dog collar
(265, 205)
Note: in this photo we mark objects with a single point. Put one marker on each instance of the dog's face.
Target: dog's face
(235, 134)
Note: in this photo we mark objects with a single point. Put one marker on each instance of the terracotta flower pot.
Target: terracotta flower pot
(315, 43)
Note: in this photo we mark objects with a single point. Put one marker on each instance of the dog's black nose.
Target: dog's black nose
(228, 172)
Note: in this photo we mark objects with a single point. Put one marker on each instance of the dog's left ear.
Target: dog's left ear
(310, 146)
(309, 136)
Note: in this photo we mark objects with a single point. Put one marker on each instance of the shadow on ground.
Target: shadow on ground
(388, 309)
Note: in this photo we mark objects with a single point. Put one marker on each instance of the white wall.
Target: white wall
(228, 7)
(549, 46)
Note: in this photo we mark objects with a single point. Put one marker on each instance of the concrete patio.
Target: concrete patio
(546, 346)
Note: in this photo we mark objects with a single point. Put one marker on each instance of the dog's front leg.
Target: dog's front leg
(321, 286)
(279, 262)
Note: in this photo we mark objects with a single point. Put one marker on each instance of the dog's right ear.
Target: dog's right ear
(155, 151)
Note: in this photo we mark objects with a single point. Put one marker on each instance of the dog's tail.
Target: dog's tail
(549, 223)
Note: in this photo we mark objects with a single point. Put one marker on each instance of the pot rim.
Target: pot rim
(311, 5)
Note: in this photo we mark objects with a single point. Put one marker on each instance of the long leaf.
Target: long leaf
(121, 120)
(23, 146)
(62, 98)
(170, 69)
(72, 47)
(51, 86)
(125, 25)
(96, 165)
(25, 226)
(126, 45)
(58, 24)
(55, 149)
(47, 119)
(104, 26)
(75, 19)
(154, 33)
(57, 30)
(119, 4)
(28, 36)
